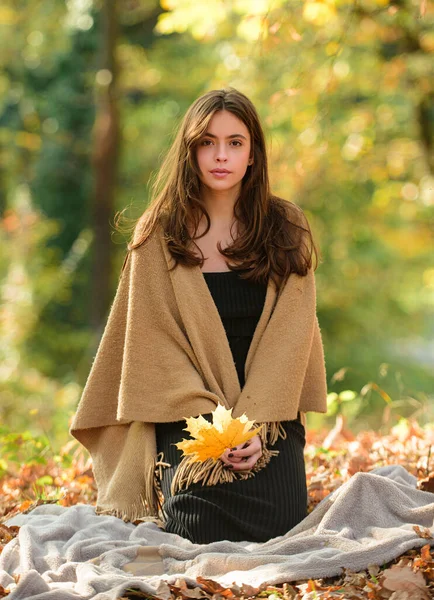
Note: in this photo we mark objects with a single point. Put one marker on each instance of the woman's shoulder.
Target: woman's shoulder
(147, 228)
(144, 242)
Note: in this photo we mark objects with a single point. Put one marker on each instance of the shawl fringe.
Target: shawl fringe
(148, 508)
(213, 471)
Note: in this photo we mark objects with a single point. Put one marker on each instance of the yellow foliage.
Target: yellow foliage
(251, 28)
(211, 440)
(168, 4)
(8, 16)
(199, 18)
(30, 141)
(319, 13)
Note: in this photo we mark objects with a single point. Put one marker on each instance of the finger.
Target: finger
(249, 464)
(230, 453)
(239, 447)
(230, 461)
(240, 452)
(225, 458)
(254, 447)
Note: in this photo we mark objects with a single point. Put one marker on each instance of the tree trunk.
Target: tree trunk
(106, 141)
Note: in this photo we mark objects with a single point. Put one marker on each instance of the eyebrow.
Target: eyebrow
(234, 135)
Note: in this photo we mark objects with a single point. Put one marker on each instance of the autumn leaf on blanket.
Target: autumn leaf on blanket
(211, 440)
(424, 532)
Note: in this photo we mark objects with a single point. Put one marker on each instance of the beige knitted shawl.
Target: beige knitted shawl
(164, 356)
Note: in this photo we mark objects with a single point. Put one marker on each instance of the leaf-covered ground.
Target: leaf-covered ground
(331, 459)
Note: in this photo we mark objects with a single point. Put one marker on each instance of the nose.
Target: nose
(221, 154)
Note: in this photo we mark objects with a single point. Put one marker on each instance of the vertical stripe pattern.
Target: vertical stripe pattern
(256, 509)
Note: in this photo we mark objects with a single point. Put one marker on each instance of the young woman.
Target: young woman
(216, 304)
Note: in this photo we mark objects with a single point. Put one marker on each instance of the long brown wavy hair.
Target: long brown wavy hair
(275, 238)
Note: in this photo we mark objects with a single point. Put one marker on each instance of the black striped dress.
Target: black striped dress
(256, 509)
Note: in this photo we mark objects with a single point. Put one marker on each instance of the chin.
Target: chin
(222, 184)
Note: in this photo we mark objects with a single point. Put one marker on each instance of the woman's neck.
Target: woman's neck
(220, 204)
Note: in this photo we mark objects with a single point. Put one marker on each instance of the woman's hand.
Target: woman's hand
(244, 456)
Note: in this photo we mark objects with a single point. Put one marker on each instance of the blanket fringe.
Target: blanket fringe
(212, 472)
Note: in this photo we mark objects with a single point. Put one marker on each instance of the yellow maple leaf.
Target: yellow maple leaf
(211, 440)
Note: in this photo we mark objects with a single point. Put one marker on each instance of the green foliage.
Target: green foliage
(345, 93)
(378, 405)
(22, 448)
(30, 279)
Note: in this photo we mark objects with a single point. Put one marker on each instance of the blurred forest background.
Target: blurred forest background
(91, 94)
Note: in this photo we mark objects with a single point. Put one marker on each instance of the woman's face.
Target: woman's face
(223, 152)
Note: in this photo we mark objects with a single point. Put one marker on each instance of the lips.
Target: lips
(220, 171)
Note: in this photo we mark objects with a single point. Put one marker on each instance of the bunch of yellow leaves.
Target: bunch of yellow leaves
(211, 440)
